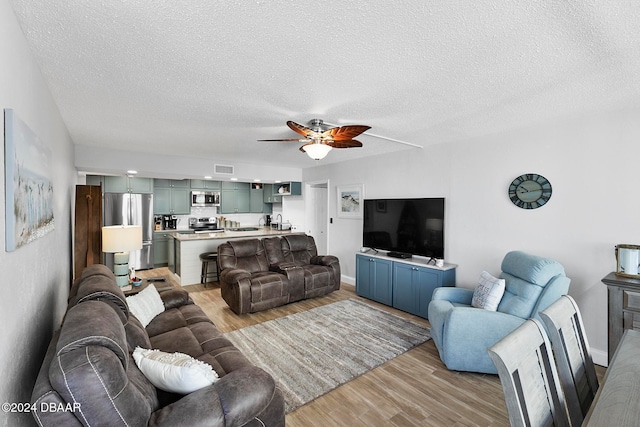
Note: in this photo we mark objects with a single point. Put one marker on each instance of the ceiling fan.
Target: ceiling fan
(319, 139)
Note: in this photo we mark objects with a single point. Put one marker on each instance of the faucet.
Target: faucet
(279, 216)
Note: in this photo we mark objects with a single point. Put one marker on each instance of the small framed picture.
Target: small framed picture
(350, 201)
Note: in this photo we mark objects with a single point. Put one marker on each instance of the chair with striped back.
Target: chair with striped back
(529, 377)
(573, 358)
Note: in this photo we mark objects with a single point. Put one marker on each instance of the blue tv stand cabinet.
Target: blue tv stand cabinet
(406, 284)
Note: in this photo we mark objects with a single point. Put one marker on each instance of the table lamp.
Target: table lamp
(120, 240)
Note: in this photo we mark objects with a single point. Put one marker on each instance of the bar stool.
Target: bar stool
(206, 258)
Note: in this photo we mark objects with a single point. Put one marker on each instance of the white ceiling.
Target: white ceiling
(210, 77)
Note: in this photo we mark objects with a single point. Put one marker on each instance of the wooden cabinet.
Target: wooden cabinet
(406, 285)
(623, 306)
(235, 197)
(87, 241)
(171, 197)
(374, 279)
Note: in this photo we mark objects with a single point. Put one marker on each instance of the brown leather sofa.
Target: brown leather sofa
(259, 274)
(89, 376)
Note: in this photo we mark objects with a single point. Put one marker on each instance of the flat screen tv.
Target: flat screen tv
(405, 226)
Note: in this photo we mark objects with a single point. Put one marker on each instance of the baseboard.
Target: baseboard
(600, 357)
(348, 279)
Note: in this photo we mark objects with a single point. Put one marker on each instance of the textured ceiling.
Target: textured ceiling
(209, 78)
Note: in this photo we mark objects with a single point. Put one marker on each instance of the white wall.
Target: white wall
(591, 164)
(35, 277)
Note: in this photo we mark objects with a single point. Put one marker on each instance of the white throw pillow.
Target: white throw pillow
(146, 305)
(488, 293)
(174, 372)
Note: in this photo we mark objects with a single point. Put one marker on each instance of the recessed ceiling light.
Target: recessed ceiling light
(257, 180)
(208, 177)
(277, 181)
(234, 179)
(132, 172)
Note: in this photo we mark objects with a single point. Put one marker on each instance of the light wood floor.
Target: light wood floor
(414, 389)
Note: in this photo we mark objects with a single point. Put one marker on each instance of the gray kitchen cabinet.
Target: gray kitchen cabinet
(171, 183)
(235, 197)
(94, 180)
(171, 197)
(292, 188)
(161, 242)
(269, 196)
(125, 184)
(205, 184)
(256, 199)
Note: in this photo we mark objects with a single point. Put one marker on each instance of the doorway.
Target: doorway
(317, 213)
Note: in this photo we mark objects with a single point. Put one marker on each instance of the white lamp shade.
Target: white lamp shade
(317, 151)
(121, 238)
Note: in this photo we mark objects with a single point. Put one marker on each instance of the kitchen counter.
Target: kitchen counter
(186, 246)
(188, 235)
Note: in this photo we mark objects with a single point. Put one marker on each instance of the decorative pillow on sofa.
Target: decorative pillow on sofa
(488, 293)
(146, 305)
(174, 372)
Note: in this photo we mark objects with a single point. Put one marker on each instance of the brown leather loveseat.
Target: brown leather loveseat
(259, 274)
(89, 376)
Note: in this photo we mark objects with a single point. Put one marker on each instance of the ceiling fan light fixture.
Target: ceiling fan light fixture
(317, 151)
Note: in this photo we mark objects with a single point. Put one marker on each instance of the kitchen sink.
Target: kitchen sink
(243, 229)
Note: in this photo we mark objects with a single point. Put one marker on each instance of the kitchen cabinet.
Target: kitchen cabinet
(171, 197)
(161, 241)
(257, 203)
(291, 188)
(269, 196)
(205, 184)
(235, 197)
(121, 184)
(374, 279)
(172, 183)
(407, 285)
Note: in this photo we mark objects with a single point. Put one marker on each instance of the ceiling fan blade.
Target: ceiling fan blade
(280, 140)
(344, 133)
(350, 143)
(302, 130)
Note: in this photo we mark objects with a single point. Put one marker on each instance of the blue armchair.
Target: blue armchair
(463, 333)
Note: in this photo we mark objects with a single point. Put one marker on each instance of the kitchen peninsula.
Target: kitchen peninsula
(185, 248)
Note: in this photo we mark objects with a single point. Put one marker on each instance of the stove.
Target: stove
(204, 225)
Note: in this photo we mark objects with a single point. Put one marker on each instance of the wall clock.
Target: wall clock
(530, 191)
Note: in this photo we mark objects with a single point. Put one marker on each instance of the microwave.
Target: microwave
(205, 198)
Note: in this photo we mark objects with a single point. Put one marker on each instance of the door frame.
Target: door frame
(311, 213)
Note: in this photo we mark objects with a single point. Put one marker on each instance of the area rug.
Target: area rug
(312, 352)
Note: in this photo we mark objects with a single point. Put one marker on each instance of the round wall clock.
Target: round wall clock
(530, 191)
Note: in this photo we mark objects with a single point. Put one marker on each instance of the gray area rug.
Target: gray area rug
(313, 352)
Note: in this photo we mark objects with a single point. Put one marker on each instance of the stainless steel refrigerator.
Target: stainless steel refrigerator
(131, 209)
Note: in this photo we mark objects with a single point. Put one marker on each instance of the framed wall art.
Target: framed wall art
(28, 186)
(350, 201)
